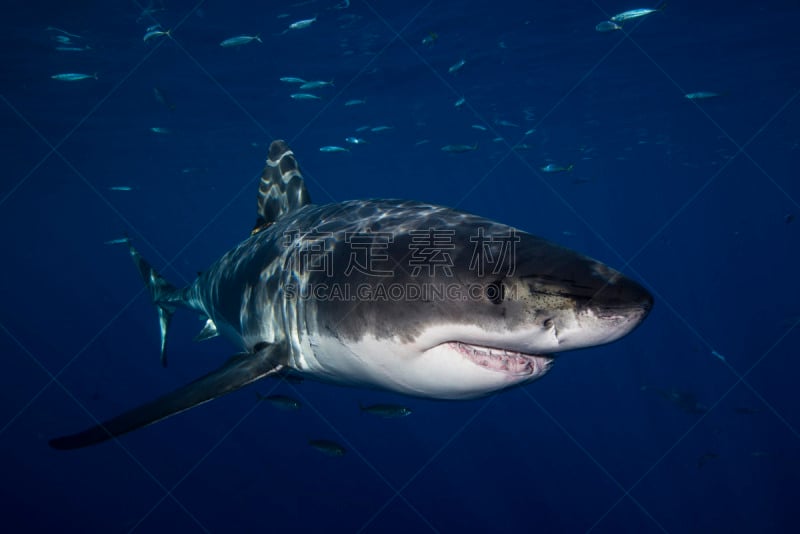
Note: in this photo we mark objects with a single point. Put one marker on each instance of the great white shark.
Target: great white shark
(397, 295)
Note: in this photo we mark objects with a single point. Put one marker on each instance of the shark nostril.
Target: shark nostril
(647, 301)
(548, 323)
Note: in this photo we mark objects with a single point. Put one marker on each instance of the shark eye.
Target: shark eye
(496, 292)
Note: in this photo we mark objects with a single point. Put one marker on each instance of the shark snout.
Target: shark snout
(642, 298)
(601, 319)
(614, 310)
(621, 294)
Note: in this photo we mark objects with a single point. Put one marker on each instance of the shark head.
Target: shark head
(434, 321)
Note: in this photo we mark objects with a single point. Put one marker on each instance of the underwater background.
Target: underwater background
(689, 424)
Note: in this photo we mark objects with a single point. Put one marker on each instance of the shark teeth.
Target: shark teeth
(506, 361)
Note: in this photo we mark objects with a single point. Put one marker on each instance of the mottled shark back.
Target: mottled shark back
(282, 188)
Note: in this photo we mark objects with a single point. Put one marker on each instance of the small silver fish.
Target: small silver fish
(634, 14)
(63, 39)
(380, 128)
(429, 39)
(73, 76)
(332, 148)
(457, 66)
(316, 84)
(458, 149)
(159, 130)
(284, 402)
(553, 167)
(327, 447)
(355, 140)
(65, 32)
(355, 102)
(155, 33)
(292, 79)
(422, 142)
(120, 188)
(73, 48)
(387, 411)
(301, 24)
(607, 26)
(701, 95)
(479, 127)
(118, 241)
(362, 129)
(460, 102)
(240, 40)
(305, 96)
(506, 123)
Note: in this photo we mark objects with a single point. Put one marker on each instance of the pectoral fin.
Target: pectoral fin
(208, 331)
(238, 372)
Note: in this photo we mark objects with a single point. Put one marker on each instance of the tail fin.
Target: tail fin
(162, 293)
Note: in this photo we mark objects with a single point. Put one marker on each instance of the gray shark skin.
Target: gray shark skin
(384, 294)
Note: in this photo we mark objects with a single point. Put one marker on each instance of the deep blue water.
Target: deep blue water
(695, 199)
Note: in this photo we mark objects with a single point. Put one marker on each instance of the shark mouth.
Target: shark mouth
(503, 361)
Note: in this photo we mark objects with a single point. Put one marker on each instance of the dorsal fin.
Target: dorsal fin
(282, 188)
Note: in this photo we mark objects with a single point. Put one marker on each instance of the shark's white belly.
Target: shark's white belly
(438, 373)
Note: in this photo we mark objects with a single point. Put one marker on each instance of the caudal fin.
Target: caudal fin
(163, 294)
